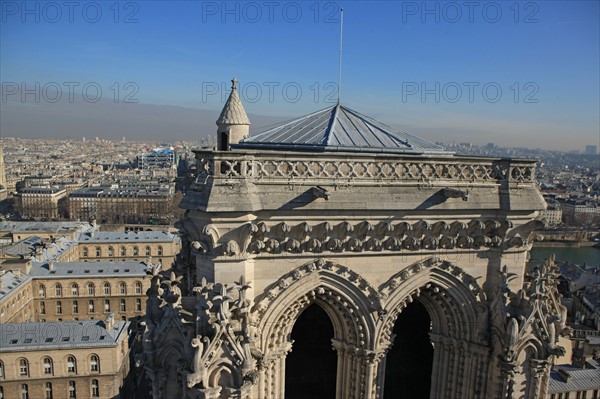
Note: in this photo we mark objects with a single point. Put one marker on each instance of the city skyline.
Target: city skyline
(517, 74)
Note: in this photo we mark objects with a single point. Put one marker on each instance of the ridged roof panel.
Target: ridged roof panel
(337, 129)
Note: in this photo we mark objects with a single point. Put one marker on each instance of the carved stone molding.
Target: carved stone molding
(365, 236)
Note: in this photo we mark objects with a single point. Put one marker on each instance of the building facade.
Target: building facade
(336, 257)
(128, 204)
(101, 246)
(74, 291)
(580, 214)
(41, 203)
(63, 360)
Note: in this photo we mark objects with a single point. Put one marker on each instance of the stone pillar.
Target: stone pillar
(507, 381)
(539, 371)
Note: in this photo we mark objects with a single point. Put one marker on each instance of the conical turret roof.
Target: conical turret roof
(233, 112)
(338, 129)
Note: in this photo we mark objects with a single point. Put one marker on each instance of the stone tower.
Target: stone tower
(233, 124)
(334, 256)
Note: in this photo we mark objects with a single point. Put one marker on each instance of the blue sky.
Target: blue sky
(543, 56)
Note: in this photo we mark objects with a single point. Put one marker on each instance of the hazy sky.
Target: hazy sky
(514, 73)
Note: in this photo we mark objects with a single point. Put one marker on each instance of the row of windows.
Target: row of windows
(48, 392)
(91, 307)
(91, 289)
(19, 299)
(122, 251)
(48, 366)
(578, 395)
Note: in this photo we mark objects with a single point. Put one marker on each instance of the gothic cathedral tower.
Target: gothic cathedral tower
(334, 256)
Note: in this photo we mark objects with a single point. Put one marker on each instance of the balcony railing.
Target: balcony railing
(274, 167)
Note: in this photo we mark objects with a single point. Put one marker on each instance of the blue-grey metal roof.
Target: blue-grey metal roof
(124, 237)
(23, 247)
(88, 269)
(338, 129)
(60, 335)
(9, 281)
(579, 379)
(49, 227)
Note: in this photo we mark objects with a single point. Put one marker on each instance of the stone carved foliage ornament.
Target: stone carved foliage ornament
(225, 335)
(527, 324)
(365, 236)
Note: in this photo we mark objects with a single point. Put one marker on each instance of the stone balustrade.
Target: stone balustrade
(270, 167)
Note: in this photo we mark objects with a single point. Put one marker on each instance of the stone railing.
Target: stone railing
(285, 166)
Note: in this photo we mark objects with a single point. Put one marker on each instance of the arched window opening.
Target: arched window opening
(23, 368)
(311, 366)
(71, 364)
(48, 367)
(48, 390)
(72, 389)
(410, 359)
(95, 364)
(95, 389)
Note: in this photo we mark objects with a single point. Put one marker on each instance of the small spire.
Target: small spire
(233, 112)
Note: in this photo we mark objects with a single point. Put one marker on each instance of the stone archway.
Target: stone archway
(310, 367)
(459, 324)
(351, 305)
(409, 361)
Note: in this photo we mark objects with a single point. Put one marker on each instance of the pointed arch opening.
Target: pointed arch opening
(311, 366)
(409, 362)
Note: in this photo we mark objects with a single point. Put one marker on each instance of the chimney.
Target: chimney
(50, 266)
(110, 321)
(564, 375)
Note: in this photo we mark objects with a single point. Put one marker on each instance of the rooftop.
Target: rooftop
(141, 236)
(9, 281)
(338, 129)
(48, 227)
(60, 335)
(579, 379)
(89, 269)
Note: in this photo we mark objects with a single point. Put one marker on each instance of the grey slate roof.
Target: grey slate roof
(89, 269)
(48, 227)
(338, 129)
(233, 112)
(24, 247)
(579, 380)
(9, 281)
(60, 335)
(125, 237)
